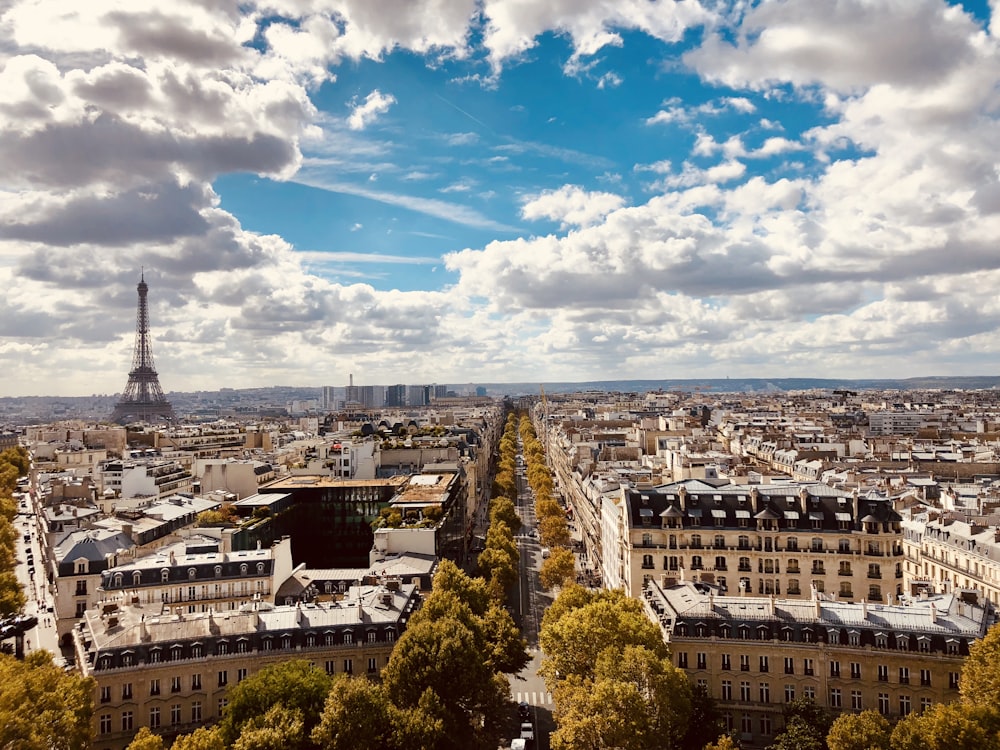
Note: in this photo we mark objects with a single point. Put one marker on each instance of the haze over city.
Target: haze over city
(497, 191)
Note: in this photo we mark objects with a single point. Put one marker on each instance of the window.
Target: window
(218, 571)
(765, 725)
(765, 692)
(243, 569)
(127, 721)
(807, 667)
(348, 637)
(845, 590)
(835, 700)
(81, 588)
(222, 705)
(696, 541)
(789, 693)
(196, 682)
(727, 690)
(154, 687)
(726, 663)
(348, 667)
(175, 714)
(925, 704)
(696, 563)
(904, 705)
(875, 593)
(647, 561)
(746, 724)
(883, 704)
(792, 545)
(835, 669)
(106, 694)
(192, 574)
(953, 680)
(855, 670)
(809, 693)
(223, 678)
(883, 673)
(744, 564)
(260, 568)
(745, 691)
(197, 651)
(175, 684)
(904, 675)
(372, 666)
(105, 724)
(81, 608)
(744, 663)
(682, 659)
(720, 563)
(702, 660)
(764, 664)
(856, 702)
(164, 575)
(789, 665)
(743, 542)
(127, 691)
(155, 655)
(241, 674)
(329, 666)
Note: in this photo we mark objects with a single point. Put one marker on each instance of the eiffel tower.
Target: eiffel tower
(143, 399)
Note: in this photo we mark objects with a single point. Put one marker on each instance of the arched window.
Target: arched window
(164, 575)
(647, 561)
(243, 569)
(116, 580)
(192, 574)
(218, 571)
(260, 568)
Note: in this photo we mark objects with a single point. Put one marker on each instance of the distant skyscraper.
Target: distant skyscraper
(143, 399)
(395, 395)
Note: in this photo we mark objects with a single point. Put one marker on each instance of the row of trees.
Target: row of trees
(498, 562)
(553, 531)
(444, 687)
(41, 707)
(612, 679)
(14, 464)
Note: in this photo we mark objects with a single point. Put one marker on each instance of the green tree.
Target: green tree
(808, 712)
(204, 738)
(17, 457)
(573, 642)
(980, 683)
(294, 684)
(279, 728)
(947, 726)
(12, 598)
(799, 735)
(705, 724)
(559, 569)
(145, 740)
(868, 730)
(41, 706)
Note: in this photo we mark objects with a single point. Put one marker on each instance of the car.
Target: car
(527, 730)
(523, 710)
(545, 552)
(518, 744)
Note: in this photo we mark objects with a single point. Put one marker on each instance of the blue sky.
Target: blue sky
(461, 191)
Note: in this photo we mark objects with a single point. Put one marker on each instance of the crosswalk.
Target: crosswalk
(534, 698)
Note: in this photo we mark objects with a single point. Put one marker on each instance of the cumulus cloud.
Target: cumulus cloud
(365, 113)
(570, 205)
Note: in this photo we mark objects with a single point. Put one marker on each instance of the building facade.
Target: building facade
(171, 672)
(780, 539)
(754, 654)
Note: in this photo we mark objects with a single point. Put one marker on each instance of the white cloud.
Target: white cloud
(570, 205)
(365, 113)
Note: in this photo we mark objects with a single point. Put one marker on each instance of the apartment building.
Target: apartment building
(753, 654)
(171, 672)
(196, 575)
(945, 554)
(780, 539)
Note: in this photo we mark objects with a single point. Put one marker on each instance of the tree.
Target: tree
(553, 531)
(980, 683)
(725, 742)
(868, 730)
(145, 740)
(947, 726)
(277, 729)
(201, 739)
(295, 684)
(573, 642)
(503, 510)
(559, 569)
(18, 457)
(812, 715)
(12, 598)
(705, 724)
(798, 735)
(41, 706)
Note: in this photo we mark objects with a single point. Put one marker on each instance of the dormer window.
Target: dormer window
(260, 568)
(164, 575)
(136, 578)
(218, 571)
(192, 574)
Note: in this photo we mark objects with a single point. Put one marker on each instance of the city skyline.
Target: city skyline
(497, 191)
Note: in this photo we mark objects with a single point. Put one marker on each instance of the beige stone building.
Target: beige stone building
(754, 654)
(171, 672)
(782, 539)
(945, 554)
